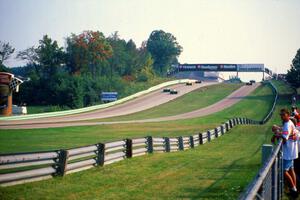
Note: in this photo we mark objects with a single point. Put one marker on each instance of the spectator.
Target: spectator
(290, 147)
(294, 111)
(294, 99)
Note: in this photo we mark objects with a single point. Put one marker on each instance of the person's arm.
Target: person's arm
(285, 132)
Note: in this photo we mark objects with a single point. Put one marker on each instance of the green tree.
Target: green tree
(47, 58)
(5, 52)
(164, 49)
(293, 75)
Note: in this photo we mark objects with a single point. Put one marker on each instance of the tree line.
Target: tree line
(90, 63)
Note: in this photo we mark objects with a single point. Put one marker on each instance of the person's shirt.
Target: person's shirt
(290, 147)
(298, 136)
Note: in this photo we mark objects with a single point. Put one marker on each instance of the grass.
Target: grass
(66, 137)
(217, 170)
(194, 100)
(42, 109)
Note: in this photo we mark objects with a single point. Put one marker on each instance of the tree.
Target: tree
(30, 55)
(164, 49)
(86, 52)
(5, 51)
(293, 75)
(50, 56)
(46, 58)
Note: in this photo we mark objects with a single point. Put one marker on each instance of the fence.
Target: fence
(33, 166)
(268, 183)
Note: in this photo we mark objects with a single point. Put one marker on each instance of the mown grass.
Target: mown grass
(42, 109)
(194, 100)
(218, 170)
(57, 138)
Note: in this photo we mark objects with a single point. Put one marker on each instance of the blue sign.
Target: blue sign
(109, 96)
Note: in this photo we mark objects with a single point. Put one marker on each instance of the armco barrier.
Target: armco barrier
(101, 106)
(20, 168)
(268, 183)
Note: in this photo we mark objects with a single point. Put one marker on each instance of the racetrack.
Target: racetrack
(142, 103)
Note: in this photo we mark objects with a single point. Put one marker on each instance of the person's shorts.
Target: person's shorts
(288, 164)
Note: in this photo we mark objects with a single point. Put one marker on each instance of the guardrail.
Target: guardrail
(101, 106)
(33, 166)
(268, 183)
(20, 168)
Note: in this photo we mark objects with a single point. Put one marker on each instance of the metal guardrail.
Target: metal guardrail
(18, 168)
(268, 183)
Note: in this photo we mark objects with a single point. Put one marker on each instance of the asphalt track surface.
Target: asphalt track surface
(142, 103)
(136, 105)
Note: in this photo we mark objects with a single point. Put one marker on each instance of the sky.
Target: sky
(210, 31)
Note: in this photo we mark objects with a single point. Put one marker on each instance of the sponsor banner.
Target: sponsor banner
(250, 67)
(222, 67)
(109, 96)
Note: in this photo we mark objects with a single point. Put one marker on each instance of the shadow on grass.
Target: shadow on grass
(221, 190)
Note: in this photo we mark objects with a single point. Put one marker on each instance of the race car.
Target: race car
(173, 91)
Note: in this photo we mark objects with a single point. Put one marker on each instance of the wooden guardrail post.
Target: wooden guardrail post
(100, 154)
(192, 145)
(200, 138)
(180, 143)
(149, 144)
(222, 129)
(227, 126)
(230, 123)
(208, 136)
(167, 144)
(216, 132)
(128, 148)
(62, 162)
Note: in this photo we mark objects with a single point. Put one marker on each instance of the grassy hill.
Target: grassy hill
(217, 170)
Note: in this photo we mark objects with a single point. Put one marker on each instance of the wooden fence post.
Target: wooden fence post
(62, 162)
(180, 143)
(149, 144)
(128, 148)
(200, 138)
(167, 144)
(208, 136)
(192, 142)
(222, 129)
(227, 126)
(230, 123)
(100, 154)
(216, 133)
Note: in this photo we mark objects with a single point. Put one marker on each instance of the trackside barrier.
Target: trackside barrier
(20, 168)
(268, 183)
(101, 106)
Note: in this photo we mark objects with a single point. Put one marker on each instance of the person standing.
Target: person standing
(290, 147)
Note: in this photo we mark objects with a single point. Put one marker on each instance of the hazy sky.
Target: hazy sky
(210, 31)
